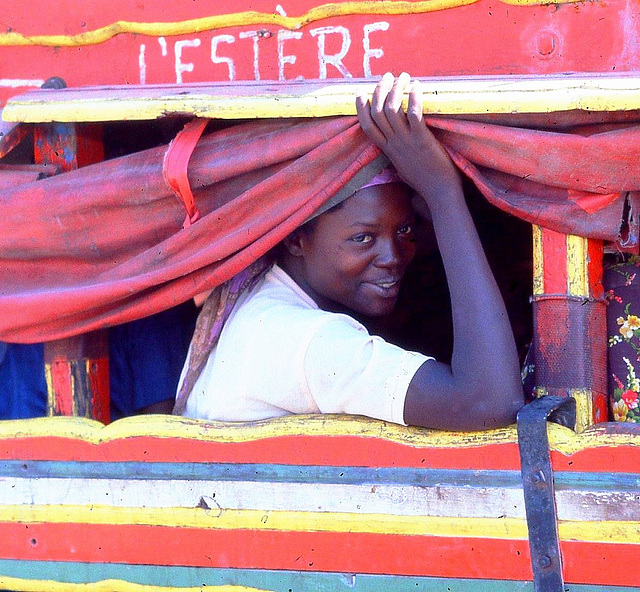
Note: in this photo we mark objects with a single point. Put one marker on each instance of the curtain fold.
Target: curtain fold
(104, 244)
(580, 180)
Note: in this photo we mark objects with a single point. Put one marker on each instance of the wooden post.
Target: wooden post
(77, 368)
(569, 316)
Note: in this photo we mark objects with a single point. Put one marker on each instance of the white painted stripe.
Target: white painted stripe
(18, 82)
(243, 495)
(407, 500)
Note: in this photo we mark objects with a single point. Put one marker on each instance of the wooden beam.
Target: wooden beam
(77, 368)
(237, 100)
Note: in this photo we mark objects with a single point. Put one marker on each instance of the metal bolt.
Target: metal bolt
(538, 476)
(544, 562)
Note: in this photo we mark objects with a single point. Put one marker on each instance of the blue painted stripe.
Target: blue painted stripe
(278, 581)
(277, 473)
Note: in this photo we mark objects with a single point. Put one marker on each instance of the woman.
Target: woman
(288, 346)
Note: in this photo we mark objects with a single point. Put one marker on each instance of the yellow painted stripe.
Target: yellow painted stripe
(444, 95)
(577, 262)
(162, 426)
(269, 520)
(584, 408)
(21, 585)
(538, 261)
(247, 18)
(447, 526)
(167, 426)
(50, 393)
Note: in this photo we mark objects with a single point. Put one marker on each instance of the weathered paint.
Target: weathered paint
(470, 95)
(260, 545)
(76, 369)
(133, 42)
(310, 439)
(112, 585)
(119, 578)
(267, 487)
(569, 322)
(322, 12)
(340, 495)
(577, 266)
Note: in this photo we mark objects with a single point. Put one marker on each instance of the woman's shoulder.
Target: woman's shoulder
(279, 303)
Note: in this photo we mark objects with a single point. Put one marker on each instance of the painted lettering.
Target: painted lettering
(255, 35)
(369, 53)
(163, 46)
(283, 35)
(334, 45)
(335, 59)
(216, 59)
(180, 65)
(142, 64)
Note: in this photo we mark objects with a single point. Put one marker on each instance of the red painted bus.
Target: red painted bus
(327, 502)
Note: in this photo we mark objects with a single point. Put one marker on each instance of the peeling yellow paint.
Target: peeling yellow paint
(160, 426)
(248, 99)
(577, 266)
(584, 408)
(538, 261)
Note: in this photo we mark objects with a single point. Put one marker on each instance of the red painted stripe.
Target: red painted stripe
(608, 459)
(594, 267)
(322, 451)
(295, 450)
(554, 249)
(63, 391)
(608, 564)
(594, 563)
(305, 551)
(316, 450)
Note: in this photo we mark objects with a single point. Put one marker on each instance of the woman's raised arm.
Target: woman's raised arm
(482, 388)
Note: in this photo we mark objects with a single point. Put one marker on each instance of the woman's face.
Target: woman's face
(356, 256)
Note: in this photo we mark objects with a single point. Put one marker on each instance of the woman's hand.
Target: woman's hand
(410, 145)
(481, 388)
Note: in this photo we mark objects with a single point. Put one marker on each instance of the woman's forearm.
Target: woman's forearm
(481, 388)
(485, 377)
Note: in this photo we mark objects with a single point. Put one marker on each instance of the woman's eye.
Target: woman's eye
(408, 229)
(362, 238)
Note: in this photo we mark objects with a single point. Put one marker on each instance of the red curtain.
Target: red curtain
(104, 244)
(575, 180)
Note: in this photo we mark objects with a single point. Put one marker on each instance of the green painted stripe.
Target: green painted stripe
(278, 473)
(278, 581)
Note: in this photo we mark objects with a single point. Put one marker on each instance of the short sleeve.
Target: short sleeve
(349, 371)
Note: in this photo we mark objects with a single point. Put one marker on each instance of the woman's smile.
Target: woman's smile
(354, 257)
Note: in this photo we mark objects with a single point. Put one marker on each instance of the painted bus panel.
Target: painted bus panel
(312, 503)
(144, 42)
(306, 503)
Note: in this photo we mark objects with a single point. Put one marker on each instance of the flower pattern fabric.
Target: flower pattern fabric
(622, 285)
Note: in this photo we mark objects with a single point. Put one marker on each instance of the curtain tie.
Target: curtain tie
(176, 162)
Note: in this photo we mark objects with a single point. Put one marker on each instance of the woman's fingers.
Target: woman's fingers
(414, 110)
(393, 104)
(378, 101)
(383, 118)
(363, 108)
